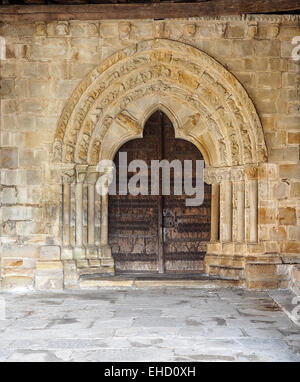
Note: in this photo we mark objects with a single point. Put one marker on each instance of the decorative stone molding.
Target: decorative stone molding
(273, 30)
(62, 28)
(178, 71)
(221, 29)
(191, 123)
(124, 30)
(57, 151)
(274, 18)
(126, 120)
(252, 29)
(41, 29)
(190, 29)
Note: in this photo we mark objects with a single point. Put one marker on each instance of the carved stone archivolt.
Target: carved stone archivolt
(220, 117)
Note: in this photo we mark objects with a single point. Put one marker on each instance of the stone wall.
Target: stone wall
(46, 61)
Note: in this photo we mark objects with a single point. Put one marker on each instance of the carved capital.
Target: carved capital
(237, 175)
(67, 174)
(106, 175)
(92, 175)
(251, 172)
(210, 176)
(216, 175)
(81, 171)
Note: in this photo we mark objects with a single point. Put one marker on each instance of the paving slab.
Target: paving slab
(157, 324)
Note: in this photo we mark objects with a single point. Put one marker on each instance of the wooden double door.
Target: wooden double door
(158, 233)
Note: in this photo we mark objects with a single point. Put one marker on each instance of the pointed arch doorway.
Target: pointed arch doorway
(158, 233)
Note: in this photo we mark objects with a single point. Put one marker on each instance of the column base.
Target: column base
(67, 253)
(106, 259)
(92, 252)
(247, 262)
(71, 276)
(79, 253)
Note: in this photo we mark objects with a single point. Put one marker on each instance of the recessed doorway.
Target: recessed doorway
(158, 233)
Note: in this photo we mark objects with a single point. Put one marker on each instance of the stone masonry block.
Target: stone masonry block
(271, 49)
(295, 190)
(260, 271)
(294, 138)
(266, 215)
(287, 216)
(289, 171)
(50, 252)
(290, 247)
(287, 154)
(269, 80)
(288, 122)
(9, 157)
(22, 251)
(294, 233)
(12, 282)
(49, 266)
(235, 31)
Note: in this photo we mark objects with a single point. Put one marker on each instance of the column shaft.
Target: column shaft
(240, 211)
(79, 215)
(104, 219)
(214, 227)
(253, 206)
(227, 210)
(66, 214)
(91, 215)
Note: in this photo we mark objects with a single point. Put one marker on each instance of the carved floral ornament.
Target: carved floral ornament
(104, 109)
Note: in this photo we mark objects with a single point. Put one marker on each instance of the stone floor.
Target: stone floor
(148, 325)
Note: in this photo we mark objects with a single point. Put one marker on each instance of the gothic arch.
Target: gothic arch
(207, 105)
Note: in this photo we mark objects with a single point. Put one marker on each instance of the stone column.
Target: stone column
(92, 251)
(240, 212)
(226, 206)
(66, 214)
(253, 203)
(103, 182)
(79, 250)
(210, 177)
(67, 177)
(214, 224)
(239, 196)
